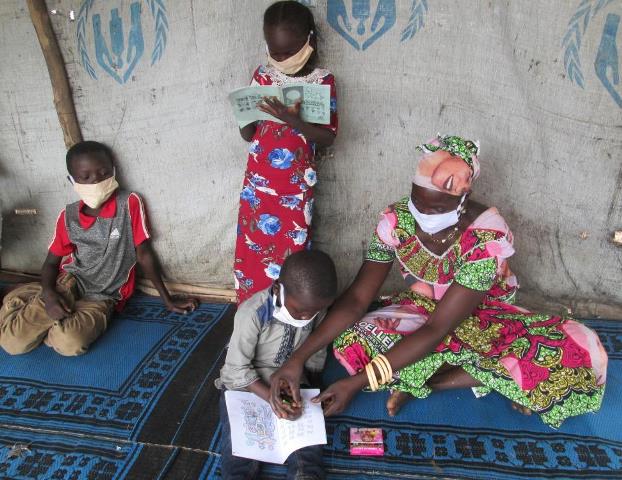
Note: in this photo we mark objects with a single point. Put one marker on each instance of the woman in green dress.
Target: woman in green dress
(456, 325)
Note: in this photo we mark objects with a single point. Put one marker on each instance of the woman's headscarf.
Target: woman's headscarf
(449, 164)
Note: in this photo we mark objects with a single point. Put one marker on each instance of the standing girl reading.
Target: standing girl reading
(276, 203)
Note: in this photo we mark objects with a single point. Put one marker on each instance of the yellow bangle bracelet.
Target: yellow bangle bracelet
(383, 369)
(387, 365)
(380, 370)
(373, 374)
(371, 377)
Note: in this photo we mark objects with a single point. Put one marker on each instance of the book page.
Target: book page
(257, 433)
(314, 108)
(244, 103)
(253, 427)
(309, 429)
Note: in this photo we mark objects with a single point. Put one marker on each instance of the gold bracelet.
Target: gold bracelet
(385, 371)
(382, 368)
(371, 377)
(389, 370)
(389, 367)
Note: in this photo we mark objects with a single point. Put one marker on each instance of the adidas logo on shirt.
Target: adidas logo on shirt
(115, 233)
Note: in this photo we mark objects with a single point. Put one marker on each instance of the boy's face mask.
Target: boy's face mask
(282, 314)
(296, 62)
(95, 194)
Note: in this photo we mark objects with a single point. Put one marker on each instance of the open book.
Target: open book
(257, 433)
(314, 108)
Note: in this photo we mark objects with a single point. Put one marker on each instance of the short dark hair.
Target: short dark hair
(85, 148)
(310, 273)
(295, 16)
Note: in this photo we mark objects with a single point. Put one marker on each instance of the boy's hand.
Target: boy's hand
(286, 378)
(55, 305)
(289, 115)
(291, 410)
(182, 305)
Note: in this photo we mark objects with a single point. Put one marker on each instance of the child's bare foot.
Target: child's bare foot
(520, 409)
(396, 401)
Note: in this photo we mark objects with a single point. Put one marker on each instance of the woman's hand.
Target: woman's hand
(55, 305)
(273, 106)
(338, 396)
(182, 305)
(285, 385)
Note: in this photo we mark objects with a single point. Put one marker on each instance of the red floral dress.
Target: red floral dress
(276, 203)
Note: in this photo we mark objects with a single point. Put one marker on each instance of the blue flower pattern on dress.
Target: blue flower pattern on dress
(281, 158)
(310, 177)
(298, 235)
(273, 270)
(244, 282)
(254, 147)
(248, 195)
(269, 224)
(252, 245)
(258, 181)
(291, 201)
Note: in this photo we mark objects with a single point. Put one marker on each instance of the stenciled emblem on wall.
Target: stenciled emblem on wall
(362, 22)
(113, 35)
(607, 58)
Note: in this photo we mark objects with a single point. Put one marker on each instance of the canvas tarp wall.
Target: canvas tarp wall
(533, 81)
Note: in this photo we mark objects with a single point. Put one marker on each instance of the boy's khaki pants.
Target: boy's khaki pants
(24, 323)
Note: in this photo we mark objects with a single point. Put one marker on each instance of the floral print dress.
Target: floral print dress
(276, 203)
(554, 366)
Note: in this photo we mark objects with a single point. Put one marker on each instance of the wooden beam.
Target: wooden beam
(63, 100)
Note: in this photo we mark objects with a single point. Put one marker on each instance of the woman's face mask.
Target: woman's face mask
(432, 224)
(95, 194)
(296, 62)
(282, 314)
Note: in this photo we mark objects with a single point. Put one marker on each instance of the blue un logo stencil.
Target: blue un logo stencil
(607, 58)
(114, 37)
(362, 22)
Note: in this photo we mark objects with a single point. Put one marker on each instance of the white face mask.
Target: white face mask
(95, 194)
(282, 314)
(435, 223)
(293, 64)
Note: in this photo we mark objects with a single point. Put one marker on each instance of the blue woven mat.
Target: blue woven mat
(141, 405)
(454, 435)
(127, 409)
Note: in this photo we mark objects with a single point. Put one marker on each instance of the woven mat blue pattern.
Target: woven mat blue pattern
(454, 435)
(126, 408)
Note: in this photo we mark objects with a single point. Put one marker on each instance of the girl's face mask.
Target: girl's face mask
(95, 194)
(432, 224)
(296, 62)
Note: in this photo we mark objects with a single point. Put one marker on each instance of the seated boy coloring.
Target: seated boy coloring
(268, 327)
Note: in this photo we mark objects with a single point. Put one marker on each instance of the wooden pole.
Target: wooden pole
(63, 100)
